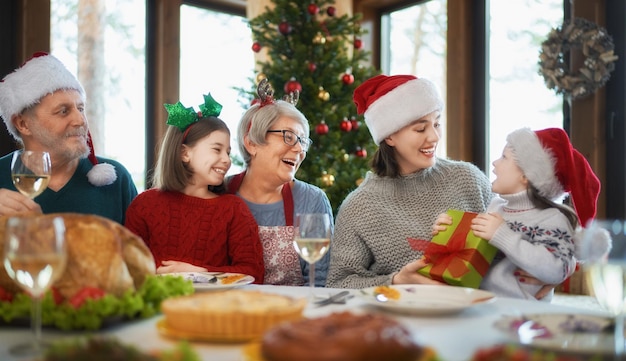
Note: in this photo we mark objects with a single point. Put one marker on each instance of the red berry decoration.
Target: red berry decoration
(321, 128)
(355, 123)
(292, 85)
(358, 43)
(313, 9)
(347, 78)
(345, 125)
(284, 28)
(256, 47)
(331, 11)
(361, 153)
(312, 66)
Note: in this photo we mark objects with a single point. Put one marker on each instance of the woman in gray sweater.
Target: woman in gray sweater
(384, 225)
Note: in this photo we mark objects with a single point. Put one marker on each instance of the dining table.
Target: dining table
(455, 336)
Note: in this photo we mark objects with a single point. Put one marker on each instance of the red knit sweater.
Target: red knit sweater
(219, 234)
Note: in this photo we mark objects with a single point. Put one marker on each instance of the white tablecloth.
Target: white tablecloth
(455, 337)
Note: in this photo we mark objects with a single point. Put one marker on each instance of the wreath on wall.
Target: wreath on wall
(597, 48)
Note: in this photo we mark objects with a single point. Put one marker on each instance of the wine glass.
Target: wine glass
(312, 240)
(30, 171)
(34, 257)
(603, 252)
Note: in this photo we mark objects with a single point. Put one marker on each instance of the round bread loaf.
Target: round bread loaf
(232, 315)
(341, 337)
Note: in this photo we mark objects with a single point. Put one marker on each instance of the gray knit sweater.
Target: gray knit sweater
(376, 220)
(539, 241)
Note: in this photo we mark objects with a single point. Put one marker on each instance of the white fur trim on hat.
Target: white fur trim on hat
(102, 174)
(24, 87)
(537, 162)
(400, 107)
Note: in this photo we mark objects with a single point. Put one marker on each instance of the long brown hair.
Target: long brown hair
(170, 172)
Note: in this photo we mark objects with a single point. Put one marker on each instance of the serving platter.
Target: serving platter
(426, 300)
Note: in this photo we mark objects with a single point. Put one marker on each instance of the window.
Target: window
(109, 60)
(414, 42)
(215, 58)
(518, 96)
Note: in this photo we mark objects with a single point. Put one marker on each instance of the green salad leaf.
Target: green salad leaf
(93, 314)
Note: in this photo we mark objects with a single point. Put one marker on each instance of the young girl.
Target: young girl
(186, 220)
(529, 225)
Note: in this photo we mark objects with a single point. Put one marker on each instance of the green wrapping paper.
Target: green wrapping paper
(456, 256)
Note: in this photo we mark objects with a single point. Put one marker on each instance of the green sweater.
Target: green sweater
(80, 196)
(377, 221)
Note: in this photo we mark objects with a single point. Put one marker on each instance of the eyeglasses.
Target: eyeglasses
(292, 138)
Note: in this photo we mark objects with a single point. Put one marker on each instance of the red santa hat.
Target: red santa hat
(554, 167)
(389, 103)
(39, 76)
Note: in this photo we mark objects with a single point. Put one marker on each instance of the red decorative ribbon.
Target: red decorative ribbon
(452, 256)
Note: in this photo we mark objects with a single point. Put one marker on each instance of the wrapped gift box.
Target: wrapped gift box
(456, 256)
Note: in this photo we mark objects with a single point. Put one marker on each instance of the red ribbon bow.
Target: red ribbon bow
(453, 255)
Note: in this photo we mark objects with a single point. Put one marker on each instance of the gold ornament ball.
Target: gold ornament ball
(359, 181)
(346, 157)
(260, 77)
(323, 94)
(319, 39)
(328, 179)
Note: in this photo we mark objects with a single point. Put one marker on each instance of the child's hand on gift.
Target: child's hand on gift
(408, 275)
(441, 223)
(485, 225)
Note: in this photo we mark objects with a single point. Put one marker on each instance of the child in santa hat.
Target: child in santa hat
(42, 105)
(384, 225)
(528, 222)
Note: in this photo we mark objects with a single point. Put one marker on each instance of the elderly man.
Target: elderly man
(43, 107)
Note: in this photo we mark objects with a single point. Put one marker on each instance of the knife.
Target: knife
(336, 298)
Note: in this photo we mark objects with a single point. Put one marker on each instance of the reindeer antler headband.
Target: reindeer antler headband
(266, 94)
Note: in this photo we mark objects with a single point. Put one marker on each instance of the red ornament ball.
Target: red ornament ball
(256, 47)
(331, 11)
(345, 125)
(358, 43)
(361, 153)
(321, 128)
(312, 66)
(355, 124)
(313, 9)
(347, 79)
(292, 85)
(284, 28)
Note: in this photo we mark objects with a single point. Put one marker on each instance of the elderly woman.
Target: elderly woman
(273, 139)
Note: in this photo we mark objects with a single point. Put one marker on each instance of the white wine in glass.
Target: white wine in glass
(312, 240)
(30, 171)
(603, 249)
(34, 257)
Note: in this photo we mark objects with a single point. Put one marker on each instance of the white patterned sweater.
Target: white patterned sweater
(539, 241)
(377, 221)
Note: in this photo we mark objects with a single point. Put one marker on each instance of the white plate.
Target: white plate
(214, 280)
(427, 299)
(571, 333)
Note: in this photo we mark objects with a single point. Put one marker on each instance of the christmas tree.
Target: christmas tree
(312, 49)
